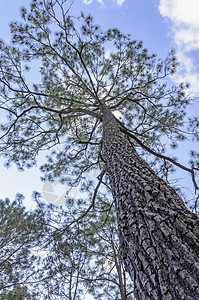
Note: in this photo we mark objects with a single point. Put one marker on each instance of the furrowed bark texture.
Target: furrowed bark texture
(159, 236)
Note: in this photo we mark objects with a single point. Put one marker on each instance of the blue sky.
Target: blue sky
(160, 24)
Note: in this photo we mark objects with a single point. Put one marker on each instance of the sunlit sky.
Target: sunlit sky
(160, 24)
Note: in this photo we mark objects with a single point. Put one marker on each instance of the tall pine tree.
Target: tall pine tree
(70, 108)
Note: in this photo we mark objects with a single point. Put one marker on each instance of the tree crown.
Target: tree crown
(75, 67)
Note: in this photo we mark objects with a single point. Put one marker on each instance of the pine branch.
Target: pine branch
(191, 171)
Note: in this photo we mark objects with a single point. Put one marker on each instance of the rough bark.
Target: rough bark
(159, 236)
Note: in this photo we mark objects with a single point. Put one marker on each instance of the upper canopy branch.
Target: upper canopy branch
(44, 108)
(190, 170)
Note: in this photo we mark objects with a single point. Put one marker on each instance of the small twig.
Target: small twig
(196, 204)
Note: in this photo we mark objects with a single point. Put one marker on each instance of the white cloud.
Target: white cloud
(186, 73)
(184, 18)
(87, 2)
(108, 53)
(179, 11)
(120, 2)
(187, 38)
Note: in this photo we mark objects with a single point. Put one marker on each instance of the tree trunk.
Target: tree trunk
(159, 236)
